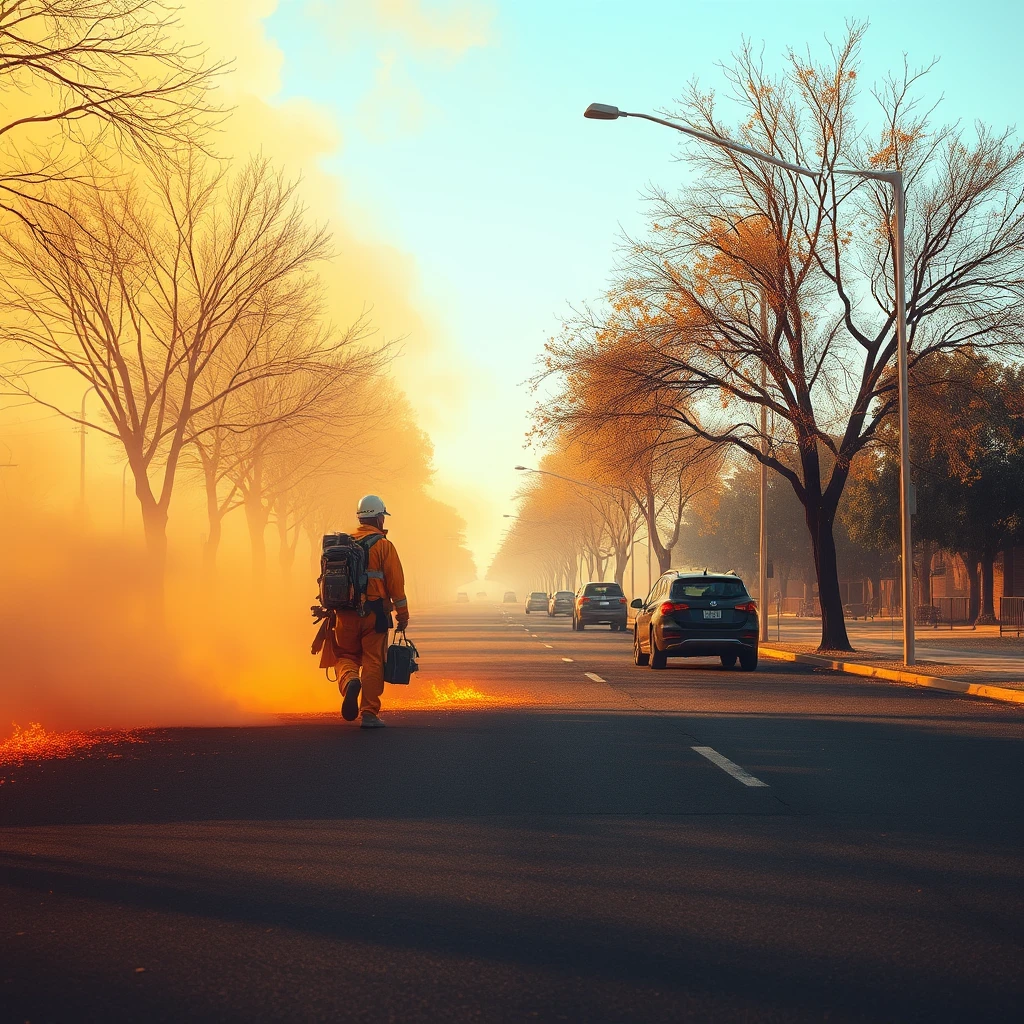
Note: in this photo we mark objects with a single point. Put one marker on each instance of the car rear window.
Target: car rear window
(701, 587)
(603, 590)
(564, 593)
(539, 593)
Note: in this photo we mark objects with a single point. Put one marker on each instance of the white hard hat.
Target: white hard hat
(370, 507)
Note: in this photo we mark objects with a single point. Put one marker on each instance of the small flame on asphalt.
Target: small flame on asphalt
(450, 692)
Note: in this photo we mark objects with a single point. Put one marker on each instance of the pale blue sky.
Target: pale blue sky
(477, 163)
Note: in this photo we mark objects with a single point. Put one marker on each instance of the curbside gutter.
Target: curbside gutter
(906, 676)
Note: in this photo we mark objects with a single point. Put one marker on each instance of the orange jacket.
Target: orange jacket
(384, 558)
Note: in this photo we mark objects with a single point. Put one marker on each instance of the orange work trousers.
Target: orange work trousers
(361, 651)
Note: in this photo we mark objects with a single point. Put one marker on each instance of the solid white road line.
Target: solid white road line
(594, 676)
(738, 773)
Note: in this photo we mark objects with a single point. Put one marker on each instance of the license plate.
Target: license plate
(712, 615)
(603, 604)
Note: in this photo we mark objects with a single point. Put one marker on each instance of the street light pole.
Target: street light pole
(895, 178)
(606, 112)
(762, 545)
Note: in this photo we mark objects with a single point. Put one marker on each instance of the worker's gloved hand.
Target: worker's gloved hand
(402, 623)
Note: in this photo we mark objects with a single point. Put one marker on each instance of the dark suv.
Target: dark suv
(691, 615)
(600, 604)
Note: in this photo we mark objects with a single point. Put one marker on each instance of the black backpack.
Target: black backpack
(343, 572)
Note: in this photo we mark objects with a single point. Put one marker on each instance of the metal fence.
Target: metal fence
(948, 611)
(1011, 615)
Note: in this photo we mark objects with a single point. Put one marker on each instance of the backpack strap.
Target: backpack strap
(366, 543)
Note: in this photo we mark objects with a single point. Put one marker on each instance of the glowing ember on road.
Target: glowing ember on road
(36, 743)
(451, 691)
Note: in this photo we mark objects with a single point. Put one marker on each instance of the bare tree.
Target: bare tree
(254, 445)
(629, 440)
(89, 72)
(141, 292)
(760, 287)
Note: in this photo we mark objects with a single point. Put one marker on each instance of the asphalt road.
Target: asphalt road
(527, 842)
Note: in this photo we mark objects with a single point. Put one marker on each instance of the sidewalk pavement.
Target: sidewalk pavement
(978, 662)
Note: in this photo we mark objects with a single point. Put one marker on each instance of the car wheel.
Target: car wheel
(748, 660)
(728, 660)
(639, 658)
(659, 659)
(581, 625)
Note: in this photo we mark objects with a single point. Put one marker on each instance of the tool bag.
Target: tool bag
(401, 660)
(343, 571)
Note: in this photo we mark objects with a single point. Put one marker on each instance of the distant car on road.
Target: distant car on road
(537, 602)
(561, 603)
(690, 615)
(510, 597)
(599, 604)
(461, 597)
(482, 594)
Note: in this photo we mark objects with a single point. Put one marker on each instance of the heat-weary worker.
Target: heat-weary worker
(361, 640)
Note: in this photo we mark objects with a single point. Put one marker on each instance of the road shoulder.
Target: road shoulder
(905, 676)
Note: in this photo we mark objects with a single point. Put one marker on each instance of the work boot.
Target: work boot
(350, 705)
(370, 721)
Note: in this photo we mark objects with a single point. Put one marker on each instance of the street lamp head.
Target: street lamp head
(522, 467)
(602, 112)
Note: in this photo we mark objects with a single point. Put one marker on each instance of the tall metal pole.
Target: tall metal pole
(762, 554)
(909, 654)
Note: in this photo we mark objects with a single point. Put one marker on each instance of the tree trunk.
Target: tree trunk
(621, 560)
(213, 518)
(314, 549)
(284, 549)
(154, 523)
(988, 611)
(924, 572)
(974, 586)
(256, 517)
(876, 592)
(823, 546)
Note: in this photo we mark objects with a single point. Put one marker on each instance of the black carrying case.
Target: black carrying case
(401, 660)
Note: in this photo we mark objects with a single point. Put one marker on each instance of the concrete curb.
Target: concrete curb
(901, 676)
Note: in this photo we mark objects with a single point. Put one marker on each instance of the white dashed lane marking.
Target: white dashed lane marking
(548, 646)
(567, 659)
(594, 676)
(738, 773)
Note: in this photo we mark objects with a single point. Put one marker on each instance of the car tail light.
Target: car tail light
(750, 606)
(622, 600)
(670, 606)
(584, 600)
